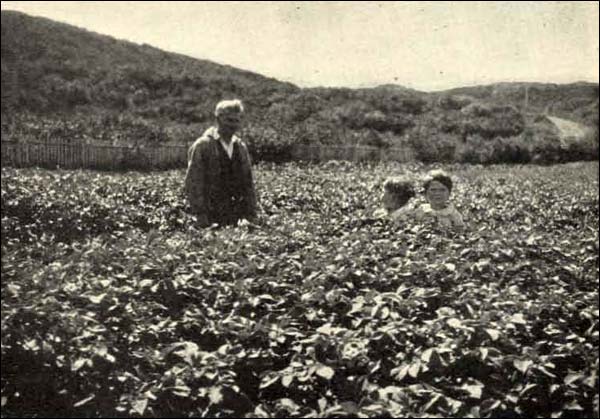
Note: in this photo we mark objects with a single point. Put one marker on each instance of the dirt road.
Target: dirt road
(568, 128)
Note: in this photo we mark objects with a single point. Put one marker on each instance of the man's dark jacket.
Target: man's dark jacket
(220, 189)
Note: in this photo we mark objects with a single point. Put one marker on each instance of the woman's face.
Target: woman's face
(437, 194)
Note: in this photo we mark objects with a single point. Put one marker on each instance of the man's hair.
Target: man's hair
(400, 187)
(440, 176)
(228, 106)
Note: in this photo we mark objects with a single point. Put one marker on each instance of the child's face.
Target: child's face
(392, 202)
(437, 194)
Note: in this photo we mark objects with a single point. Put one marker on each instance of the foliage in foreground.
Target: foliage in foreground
(114, 305)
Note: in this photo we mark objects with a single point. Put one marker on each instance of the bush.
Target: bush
(381, 122)
(454, 102)
(371, 139)
(546, 150)
(268, 144)
(583, 149)
(437, 148)
(510, 150)
(412, 105)
(477, 109)
(492, 121)
(473, 150)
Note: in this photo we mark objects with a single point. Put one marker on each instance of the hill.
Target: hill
(54, 69)
(62, 83)
(575, 101)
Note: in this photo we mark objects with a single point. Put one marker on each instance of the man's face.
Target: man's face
(229, 121)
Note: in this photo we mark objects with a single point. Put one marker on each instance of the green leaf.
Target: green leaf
(414, 369)
(289, 404)
(522, 365)
(325, 372)
(84, 401)
(493, 333)
(571, 378)
(401, 372)
(385, 312)
(326, 329)
(528, 387)
(450, 266)
(286, 380)
(266, 382)
(322, 402)
(189, 351)
(545, 371)
(215, 395)
(31, 345)
(426, 355)
(79, 363)
(518, 318)
(573, 406)
(454, 323)
(356, 308)
(101, 351)
(14, 289)
(432, 402)
(181, 390)
(139, 406)
(97, 299)
(473, 390)
(145, 283)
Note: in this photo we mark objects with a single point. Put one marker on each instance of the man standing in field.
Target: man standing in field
(219, 182)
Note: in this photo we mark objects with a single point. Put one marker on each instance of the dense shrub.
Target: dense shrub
(454, 102)
(491, 121)
(268, 145)
(510, 150)
(435, 148)
(477, 109)
(581, 149)
(474, 150)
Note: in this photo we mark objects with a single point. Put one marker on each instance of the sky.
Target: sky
(423, 45)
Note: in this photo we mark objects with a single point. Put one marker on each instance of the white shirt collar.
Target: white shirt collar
(213, 132)
(228, 147)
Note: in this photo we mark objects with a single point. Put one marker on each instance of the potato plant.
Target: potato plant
(114, 304)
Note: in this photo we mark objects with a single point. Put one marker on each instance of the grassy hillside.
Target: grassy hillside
(52, 69)
(575, 101)
(62, 83)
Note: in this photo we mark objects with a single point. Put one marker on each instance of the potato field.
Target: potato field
(114, 304)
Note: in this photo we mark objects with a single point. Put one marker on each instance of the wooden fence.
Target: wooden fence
(75, 156)
(355, 153)
(106, 157)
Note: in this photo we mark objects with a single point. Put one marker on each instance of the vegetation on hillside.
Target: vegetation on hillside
(575, 101)
(61, 83)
